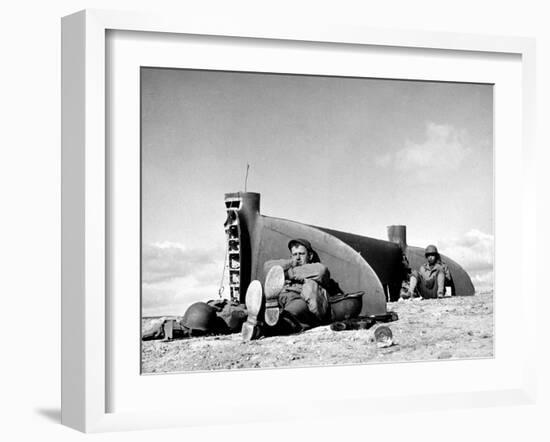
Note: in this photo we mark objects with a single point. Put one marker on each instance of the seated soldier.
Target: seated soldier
(429, 281)
(295, 294)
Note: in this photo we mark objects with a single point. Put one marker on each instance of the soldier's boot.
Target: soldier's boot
(253, 300)
(168, 330)
(274, 283)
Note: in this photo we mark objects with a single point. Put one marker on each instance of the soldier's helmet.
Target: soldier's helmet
(431, 250)
(200, 316)
(304, 242)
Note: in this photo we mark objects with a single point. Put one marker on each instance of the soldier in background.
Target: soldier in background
(429, 281)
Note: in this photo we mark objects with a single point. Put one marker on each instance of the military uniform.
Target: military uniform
(304, 293)
(431, 279)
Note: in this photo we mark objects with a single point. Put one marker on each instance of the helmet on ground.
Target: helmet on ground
(431, 250)
(200, 316)
(345, 306)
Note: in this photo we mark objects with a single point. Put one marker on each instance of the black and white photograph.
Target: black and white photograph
(300, 220)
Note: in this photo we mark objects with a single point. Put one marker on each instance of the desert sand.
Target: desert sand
(447, 328)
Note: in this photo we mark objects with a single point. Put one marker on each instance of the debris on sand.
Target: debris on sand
(436, 329)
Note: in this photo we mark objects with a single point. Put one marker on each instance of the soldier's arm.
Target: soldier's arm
(315, 271)
(440, 284)
(446, 271)
(284, 263)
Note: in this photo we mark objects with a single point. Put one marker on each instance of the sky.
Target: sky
(351, 154)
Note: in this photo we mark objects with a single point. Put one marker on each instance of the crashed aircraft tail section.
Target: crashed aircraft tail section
(357, 263)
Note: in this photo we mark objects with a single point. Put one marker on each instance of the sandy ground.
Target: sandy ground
(458, 327)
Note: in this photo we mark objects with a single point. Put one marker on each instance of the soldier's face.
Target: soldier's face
(431, 258)
(299, 255)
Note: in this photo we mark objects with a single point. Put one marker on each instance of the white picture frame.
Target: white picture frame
(86, 355)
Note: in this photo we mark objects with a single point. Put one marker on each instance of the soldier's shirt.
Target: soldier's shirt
(430, 272)
(295, 276)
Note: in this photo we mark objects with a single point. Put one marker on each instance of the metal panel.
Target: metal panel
(347, 267)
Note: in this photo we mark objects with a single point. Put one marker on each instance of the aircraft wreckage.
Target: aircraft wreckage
(357, 263)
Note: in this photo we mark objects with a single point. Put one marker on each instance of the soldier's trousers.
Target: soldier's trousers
(429, 288)
(310, 306)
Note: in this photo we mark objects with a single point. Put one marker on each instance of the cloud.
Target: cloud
(483, 281)
(383, 160)
(173, 277)
(442, 150)
(475, 253)
(167, 260)
(173, 297)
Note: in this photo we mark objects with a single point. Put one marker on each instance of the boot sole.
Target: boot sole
(253, 301)
(250, 332)
(274, 283)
